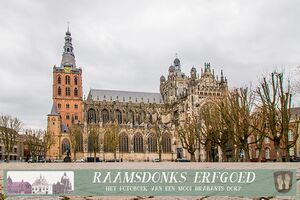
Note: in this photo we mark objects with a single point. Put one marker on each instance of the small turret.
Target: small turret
(177, 62)
(222, 77)
(162, 79)
(171, 68)
(193, 73)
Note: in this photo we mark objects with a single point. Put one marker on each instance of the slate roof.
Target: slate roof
(124, 96)
(295, 112)
(68, 59)
(54, 110)
(64, 129)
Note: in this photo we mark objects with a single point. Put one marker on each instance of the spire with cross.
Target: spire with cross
(68, 58)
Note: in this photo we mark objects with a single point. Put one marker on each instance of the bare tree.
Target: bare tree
(112, 137)
(9, 128)
(188, 135)
(94, 140)
(215, 128)
(33, 140)
(47, 142)
(276, 104)
(76, 138)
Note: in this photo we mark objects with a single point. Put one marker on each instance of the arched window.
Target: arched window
(130, 117)
(138, 143)
(91, 116)
(267, 153)
(90, 144)
(256, 153)
(267, 140)
(108, 143)
(123, 143)
(290, 136)
(75, 92)
(67, 80)
(68, 91)
(166, 143)
(291, 151)
(152, 145)
(79, 142)
(65, 146)
(59, 91)
(119, 116)
(105, 116)
(93, 141)
(58, 79)
(75, 80)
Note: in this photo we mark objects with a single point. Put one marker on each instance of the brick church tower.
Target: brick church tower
(67, 86)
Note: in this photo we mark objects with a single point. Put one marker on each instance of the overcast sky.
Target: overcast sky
(128, 45)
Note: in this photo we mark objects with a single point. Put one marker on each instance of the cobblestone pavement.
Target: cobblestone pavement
(146, 165)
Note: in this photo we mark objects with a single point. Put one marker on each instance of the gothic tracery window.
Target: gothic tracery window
(119, 117)
(138, 143)
(123, 143)
(91, 116)
(108, 143)
(152, 143)
(65, 146)
(59, 80)
(166, 143)
(79, 142)
(105, 116)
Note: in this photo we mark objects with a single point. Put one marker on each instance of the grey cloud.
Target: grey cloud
(128, 44)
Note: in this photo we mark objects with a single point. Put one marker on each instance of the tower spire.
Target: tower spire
(68, 58)
(68, 26)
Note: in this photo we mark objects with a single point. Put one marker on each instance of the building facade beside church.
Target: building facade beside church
(136, 113)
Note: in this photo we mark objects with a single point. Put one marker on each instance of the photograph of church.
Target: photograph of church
(136, 113)
(40, 182)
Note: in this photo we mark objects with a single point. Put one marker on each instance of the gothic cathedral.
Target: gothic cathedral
(137, 115)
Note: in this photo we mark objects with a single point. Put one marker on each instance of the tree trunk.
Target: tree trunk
(223, 152)
(247, 155)
(193, 159)
(75, 155)
(159, 154)
(95, 156)
(287, 153)
(115, 155)
(278, 154)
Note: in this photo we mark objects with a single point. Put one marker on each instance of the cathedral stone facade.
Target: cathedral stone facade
(138, 115)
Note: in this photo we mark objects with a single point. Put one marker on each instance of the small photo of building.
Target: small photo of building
(40, 182)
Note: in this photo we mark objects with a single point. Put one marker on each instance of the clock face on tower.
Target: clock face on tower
(67, 69)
